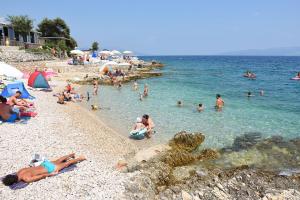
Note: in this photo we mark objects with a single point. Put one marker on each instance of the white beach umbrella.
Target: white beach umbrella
(105, 52)
(127, 52)
(115, 52)
(76, 52)
(8, 70)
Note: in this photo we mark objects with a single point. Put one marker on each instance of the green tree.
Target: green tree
(21, 24)
(95, 46)
(57, 28)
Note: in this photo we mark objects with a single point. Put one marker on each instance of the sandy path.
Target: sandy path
(56, 131)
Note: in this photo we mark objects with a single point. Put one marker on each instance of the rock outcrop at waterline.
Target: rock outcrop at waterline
(182, 171)
(160, 172)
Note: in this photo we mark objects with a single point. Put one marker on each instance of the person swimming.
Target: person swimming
(200, 107)
(249, 94)
(179, 103)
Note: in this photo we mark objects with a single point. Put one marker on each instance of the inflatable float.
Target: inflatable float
(253, 76)
(138, 134)
(295, 78)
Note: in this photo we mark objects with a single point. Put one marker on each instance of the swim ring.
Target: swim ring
(138, 134)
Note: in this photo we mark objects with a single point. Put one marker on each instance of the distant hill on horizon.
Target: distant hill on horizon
(280, 51)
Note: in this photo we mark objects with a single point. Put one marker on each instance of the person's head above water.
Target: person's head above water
(200, 104)
(179, 102)
(145, 116)
(218, 96)
(10, 180)
(249, 93)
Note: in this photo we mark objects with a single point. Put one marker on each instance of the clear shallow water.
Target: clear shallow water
(197, 79)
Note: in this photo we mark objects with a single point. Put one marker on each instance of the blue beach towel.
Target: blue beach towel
(22, 184)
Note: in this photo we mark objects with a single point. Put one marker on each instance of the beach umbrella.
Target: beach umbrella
(127, 52)
(115, 52)
(105, 52)
(76, 52)
(8, 70)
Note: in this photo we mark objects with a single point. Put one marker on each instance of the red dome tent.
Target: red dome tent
(38, 80)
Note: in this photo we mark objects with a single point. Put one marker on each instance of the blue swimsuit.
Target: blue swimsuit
(49, 166)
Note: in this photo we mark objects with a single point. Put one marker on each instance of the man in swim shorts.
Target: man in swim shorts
(149, 124)
(6, 112)
(46, 169)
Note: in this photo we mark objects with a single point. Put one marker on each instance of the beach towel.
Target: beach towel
(22, 184)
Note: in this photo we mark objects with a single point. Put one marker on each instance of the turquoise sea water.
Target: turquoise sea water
(197, 79)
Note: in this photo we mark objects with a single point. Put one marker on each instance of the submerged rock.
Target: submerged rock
(187, 141)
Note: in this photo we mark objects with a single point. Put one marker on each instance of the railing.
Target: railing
(26, 45)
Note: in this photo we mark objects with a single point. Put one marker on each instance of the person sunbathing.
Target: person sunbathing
(17, 103)
(6, 112)
(46, 169)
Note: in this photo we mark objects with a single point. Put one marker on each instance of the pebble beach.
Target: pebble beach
(58, 130)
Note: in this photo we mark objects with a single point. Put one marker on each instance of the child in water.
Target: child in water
(138, 125)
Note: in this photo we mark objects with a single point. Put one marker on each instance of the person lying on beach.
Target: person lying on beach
(148, 123)
(68, 88)
(61, 98)
(219, 102)
(46, 169)
(6, 112)
(200, 107)
(17, 103)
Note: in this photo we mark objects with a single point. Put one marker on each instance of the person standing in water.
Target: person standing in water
(261, 93)
(219, 102)
(96, 87)
(146, 90)
(135, 85)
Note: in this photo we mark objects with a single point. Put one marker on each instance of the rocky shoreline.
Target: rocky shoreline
(180, 170)
(148, 71)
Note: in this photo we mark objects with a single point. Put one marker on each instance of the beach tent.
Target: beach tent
(12, 88)
(38, 80)
(8, 70)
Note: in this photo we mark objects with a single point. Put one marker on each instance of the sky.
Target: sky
(171, 27)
